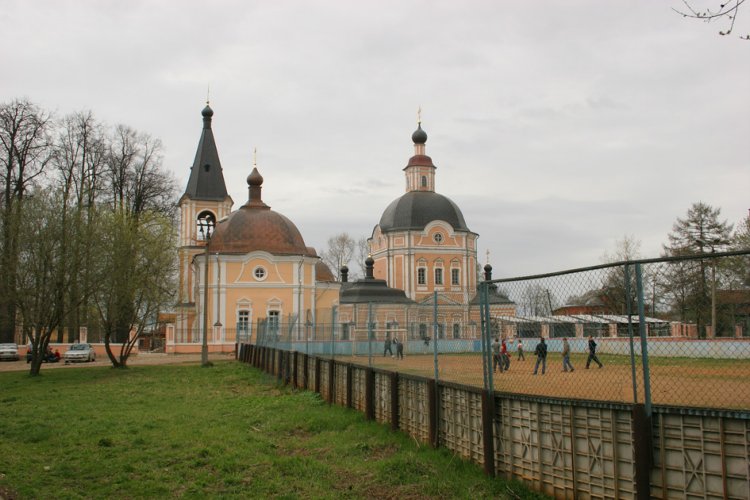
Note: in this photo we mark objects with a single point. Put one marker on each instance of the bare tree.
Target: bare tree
(24, 153)
(617, 291)
(136, 180)
(727, 10)
(363, 250)
(537, 300)
(339, 252)
(78, 160)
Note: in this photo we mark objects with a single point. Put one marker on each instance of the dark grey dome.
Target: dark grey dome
(207, 112)
(416, 209)
(419, 136)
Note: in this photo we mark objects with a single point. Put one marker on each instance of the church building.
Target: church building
(238, 267)
(422, 244)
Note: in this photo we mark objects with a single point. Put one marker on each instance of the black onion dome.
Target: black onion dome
(415, 209)
(207, 112)
(419, 136)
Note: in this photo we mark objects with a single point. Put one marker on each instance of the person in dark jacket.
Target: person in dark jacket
(541, 356)
(592, 353)
(399, 349)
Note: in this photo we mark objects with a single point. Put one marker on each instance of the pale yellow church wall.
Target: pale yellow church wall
(398, 271)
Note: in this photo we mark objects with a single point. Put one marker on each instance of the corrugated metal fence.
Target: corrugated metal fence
(564, 448)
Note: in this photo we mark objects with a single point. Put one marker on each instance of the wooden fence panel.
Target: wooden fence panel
(564, 448)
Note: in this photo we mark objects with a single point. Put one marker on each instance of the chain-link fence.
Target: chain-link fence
(663, 331)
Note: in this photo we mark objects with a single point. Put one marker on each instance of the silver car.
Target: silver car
(9, 352)
(79, 353)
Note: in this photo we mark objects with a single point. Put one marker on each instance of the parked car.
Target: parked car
(79, 353)
(49, 357)
(9, 352)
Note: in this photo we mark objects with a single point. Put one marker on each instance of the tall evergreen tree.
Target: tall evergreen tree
(688, 283)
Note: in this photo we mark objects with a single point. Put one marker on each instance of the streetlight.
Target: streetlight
(205, 224)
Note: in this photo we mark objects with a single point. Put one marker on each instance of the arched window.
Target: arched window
(438, 275)
(422, 272)
(439, 272)
(205, 223)
(424, 181)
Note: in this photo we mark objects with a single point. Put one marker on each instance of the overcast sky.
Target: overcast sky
(558, 127)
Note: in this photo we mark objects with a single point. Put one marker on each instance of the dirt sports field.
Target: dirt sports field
(713, 383)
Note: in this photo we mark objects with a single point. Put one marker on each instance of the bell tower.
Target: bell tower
(204, 202)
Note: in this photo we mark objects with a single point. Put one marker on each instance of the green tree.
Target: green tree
(140, 246)
(688, 283)
(43, 271)
(137, 280)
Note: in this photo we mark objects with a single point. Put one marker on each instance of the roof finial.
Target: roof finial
(419, 115)
(488, 256)
(208, 94)
(255, 156)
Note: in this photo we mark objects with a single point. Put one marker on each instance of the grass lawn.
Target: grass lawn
(227, 431)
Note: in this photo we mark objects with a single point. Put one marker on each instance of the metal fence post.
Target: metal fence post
(482, 305)
(628, 309)
(488, 396)
(369, 334)
(487, 335)
(644, 340)
(333, 332)
(435, 334)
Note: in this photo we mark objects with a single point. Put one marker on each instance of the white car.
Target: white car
(79, 353)
(9, 352)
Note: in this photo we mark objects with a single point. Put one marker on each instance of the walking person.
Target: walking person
(566, 356)
(496, 355)
(399, 349)
(504, 358)
(592, 353)
(541, 356)
(519, 351)
(387, 346)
